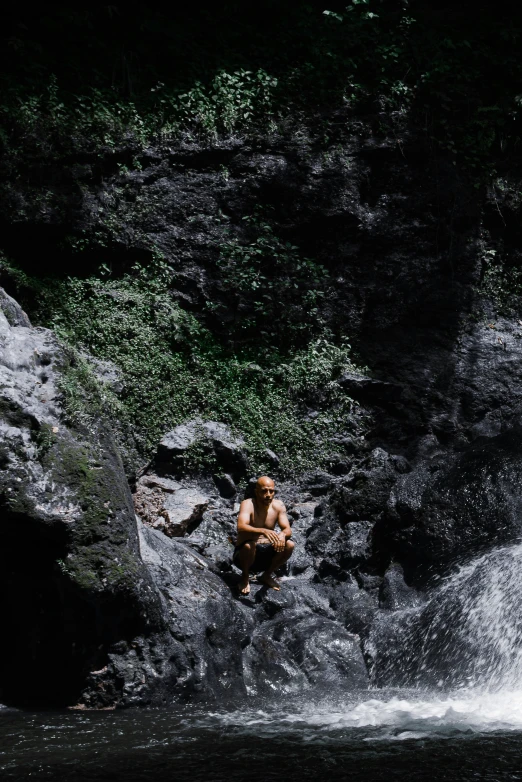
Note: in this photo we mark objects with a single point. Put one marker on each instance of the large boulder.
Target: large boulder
(201, 654)
(72, 582)
(169, 506)
(454, 504)
(298, 650)
(181, 450)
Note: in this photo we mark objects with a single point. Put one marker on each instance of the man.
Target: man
(259, 547)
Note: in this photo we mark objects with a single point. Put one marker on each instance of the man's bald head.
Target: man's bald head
(265, 490)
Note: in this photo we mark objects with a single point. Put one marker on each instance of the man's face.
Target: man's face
(265, 491)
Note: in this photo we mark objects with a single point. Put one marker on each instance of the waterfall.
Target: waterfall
(468, 635)
(451, 665)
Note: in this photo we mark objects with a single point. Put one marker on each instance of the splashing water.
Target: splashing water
(456, 661)
(469, 635)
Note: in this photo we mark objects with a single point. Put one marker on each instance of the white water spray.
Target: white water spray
(457, 662)
(469, 635)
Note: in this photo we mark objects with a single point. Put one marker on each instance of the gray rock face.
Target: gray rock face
(12, 311)
(214, 438)
(71, 578)
(436, 476)
(451, 505)
(103, 616)
(295, 652)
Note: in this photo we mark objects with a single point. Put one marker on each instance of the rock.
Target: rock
(368, 389)
(183, 509)
(13, 312)
(295, 652)
(214, 438)
(201, 655)
(72, 582)
(440, 414)
(155, 481)
(395, 595)
(318, 483)
(363, 495)
(225, 485)
(168, 505)
(356, 543)
(337, 547)
(451, 505)
(352, 606)
(271, 457)
(107, 373)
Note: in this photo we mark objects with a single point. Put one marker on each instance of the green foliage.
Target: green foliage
(45, 439)
(173, 370)
(97, 121)
(501, 283)
(231, 102)
(454, 74)
(271, 285)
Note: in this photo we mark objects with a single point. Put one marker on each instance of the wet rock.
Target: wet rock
(295, 652)
(395, 595)
(352, 606)
(200, 656)
(452, 504)
(356, 543)
(274, 601)
(335, 547)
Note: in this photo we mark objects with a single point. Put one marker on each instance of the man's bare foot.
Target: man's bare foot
(268, 581)
(244, 586)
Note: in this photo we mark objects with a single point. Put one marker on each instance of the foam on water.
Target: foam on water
(401, 717)
(458, 659)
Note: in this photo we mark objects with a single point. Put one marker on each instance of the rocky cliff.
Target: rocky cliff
(423, 471)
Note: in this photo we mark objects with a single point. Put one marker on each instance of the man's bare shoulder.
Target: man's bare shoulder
(246, 505)
(279, 506)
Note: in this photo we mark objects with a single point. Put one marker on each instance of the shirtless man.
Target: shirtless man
(266, 550)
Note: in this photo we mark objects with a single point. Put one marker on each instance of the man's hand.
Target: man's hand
(277, 541)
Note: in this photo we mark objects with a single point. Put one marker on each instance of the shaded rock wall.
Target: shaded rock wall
(435, 477)
(72, 581)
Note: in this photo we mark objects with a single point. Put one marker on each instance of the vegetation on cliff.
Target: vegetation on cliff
(106, 86)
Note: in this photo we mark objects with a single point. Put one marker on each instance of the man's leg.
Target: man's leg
(246, 556)
(280, 558)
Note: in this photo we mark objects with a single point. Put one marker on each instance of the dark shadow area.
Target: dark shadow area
(54, 633)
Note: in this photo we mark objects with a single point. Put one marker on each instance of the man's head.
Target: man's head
(265, 490)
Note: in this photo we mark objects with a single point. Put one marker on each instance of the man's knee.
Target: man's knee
(289, 547)
(248, 548)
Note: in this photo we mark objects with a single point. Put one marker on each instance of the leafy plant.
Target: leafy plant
(173, 369)
(271, 285)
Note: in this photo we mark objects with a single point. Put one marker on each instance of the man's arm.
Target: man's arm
(244, 525)
(283, 522)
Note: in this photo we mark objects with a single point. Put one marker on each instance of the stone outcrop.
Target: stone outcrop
(104, 609)
(216, 444)
(71, 578)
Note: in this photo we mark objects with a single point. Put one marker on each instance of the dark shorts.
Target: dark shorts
(265, 553)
